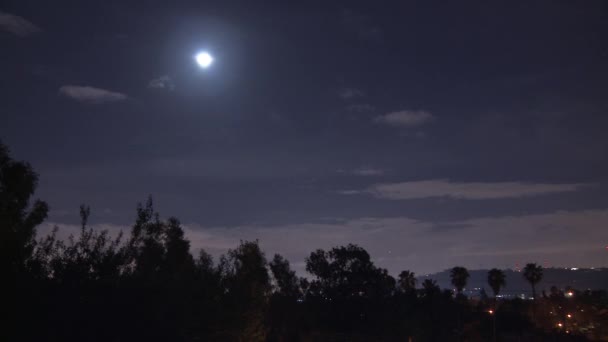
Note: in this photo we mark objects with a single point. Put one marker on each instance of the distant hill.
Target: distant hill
(579, 279)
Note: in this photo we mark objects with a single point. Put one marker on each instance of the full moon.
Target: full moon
(204, 59)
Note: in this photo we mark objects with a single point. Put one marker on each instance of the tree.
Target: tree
(430, 288)
(284, 327)
(286, 281)
(247, 283)
(459, 277)
(496, 280)
(19, 218)
(348, 271)
(407, 281)
(533, 274)
(18, 221)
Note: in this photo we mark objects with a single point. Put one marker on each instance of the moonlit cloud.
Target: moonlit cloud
(561, 238)
(90, 94)
(350, 93)
(463, 190)
(368, 171)
(405, 118)
(17, 25)
(164, 83)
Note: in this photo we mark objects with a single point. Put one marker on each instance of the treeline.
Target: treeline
(147, 286)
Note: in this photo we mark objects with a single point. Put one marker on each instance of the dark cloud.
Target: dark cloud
(17, 25)
(391, 94)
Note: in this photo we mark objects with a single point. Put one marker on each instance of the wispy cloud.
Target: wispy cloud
(405, 118)
(164, 83)
(90, 94)
(17, 25)
(350, 93)
(368, 171)
(464, 190)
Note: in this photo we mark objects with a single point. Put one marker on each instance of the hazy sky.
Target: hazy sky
(432, 133)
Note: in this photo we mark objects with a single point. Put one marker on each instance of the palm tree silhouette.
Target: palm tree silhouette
(459, 276)
(496, 280)
(533, 274)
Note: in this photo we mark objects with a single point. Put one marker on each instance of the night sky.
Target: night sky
(431, 133)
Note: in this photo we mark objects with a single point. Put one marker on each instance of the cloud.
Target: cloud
(164, 83)
(17, 25)
(350, 93)
(90, 94)
(405, 118)
(561, 238)
(400, 243)
(468, 191)
(368, 171)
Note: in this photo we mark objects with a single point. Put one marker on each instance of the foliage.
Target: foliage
(496, 280)
(533, 274)
(149, 287)
(459, 276)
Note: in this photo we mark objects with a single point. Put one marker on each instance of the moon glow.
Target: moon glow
(204, 59)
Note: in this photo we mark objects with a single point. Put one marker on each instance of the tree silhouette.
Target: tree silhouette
(496, 280)
(285, 299)
(348, 271)
(286, 281)
(430, 288)
(407, 281)
(247, 283)
(459, 277)
(18, 220)
(533, 274)
(148, 287)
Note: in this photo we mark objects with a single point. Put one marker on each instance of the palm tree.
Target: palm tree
(459, 276)
(430, 288)
(533, 274)
(496, 280)
(407, 281)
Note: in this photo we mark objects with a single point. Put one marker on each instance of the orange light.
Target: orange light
(490, 311)
(560, 325)
(569, 315)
